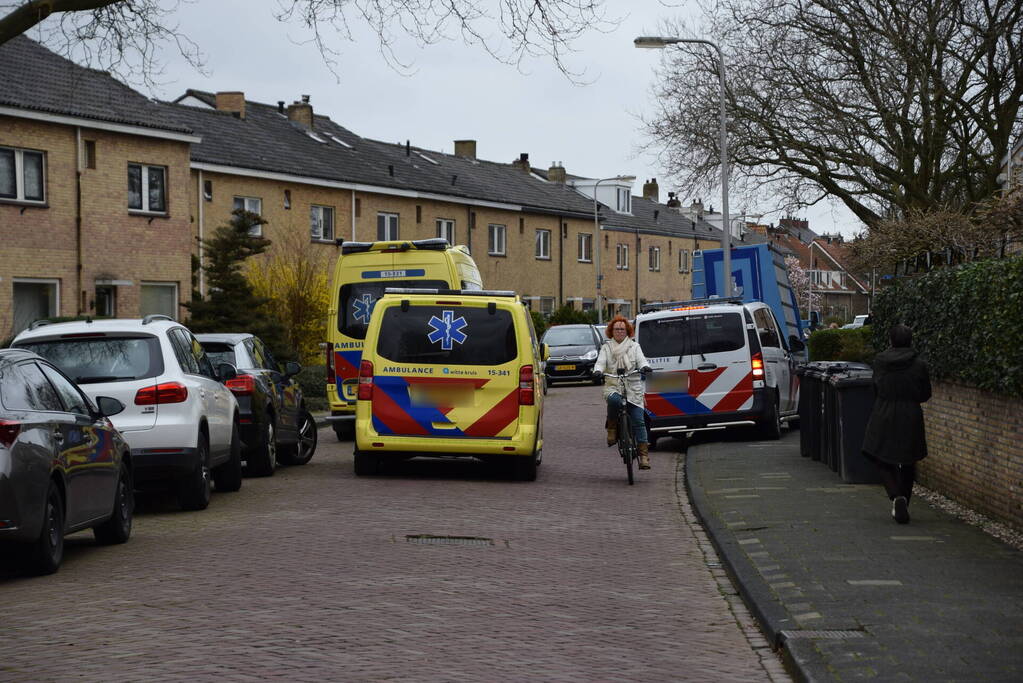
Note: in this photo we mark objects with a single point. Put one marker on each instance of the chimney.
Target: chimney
(301, 112)
(233, 102)
(673, 202)
(556, 173)
(465, 148)
(697, 208)
(650, 190)
(522, 163)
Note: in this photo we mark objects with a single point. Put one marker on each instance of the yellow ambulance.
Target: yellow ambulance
(449, 373)
(362, 272)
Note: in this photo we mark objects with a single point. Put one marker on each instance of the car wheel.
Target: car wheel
(262, 460)
(117, 529)
(366, 464)
(770, 423)
(302, 451)
(47, 551)
(194, 492)
(228, 477)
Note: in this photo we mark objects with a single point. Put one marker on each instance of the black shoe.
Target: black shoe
(900, 510)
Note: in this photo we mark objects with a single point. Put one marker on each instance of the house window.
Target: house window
(624, 200)
(446, 229)
(90, 154)
(22, 175)
(496, 240)
(683, 260)
(585, 247)
(655, 258)
(147, 188)
(547, 305)
(387, 226)
(543, 244)
(321, 222)
(106, 300)
(622, 257)
(252, 205)
(35, 299)
(159, 297)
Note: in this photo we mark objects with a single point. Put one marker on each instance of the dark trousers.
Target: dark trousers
(897, 479)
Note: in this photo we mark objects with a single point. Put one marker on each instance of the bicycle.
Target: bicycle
(626, 439)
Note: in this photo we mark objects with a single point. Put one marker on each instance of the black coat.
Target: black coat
(895, 432)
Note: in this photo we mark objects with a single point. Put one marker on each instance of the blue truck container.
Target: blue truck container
(758, 274)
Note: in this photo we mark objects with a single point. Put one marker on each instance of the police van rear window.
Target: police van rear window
(356, 301)
(447, 335)
(691, 334)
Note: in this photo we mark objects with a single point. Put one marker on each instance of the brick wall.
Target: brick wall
(975, 452)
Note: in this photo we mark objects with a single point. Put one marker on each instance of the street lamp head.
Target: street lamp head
(655, 42)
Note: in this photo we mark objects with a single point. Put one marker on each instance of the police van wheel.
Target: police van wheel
(366, 464)
(770, 423)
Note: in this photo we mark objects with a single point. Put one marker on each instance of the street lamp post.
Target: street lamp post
(660, 42)
(596, 239)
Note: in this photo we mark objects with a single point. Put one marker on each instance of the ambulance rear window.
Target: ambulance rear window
(447, 335)
(691, 334)
(356, 300)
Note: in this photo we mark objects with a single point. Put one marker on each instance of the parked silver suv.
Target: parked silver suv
(180, 420)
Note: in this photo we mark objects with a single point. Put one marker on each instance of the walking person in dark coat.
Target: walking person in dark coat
(895, 438)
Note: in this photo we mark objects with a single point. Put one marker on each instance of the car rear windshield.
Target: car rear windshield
(219, 352)
(92, 360)
(356, 301)
(569, 336)
(691, 334)
(447, 335)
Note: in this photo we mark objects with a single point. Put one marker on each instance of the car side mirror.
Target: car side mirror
(795, 343)
(291, 368)
(226, 371)
(545, 352)
(108, 406)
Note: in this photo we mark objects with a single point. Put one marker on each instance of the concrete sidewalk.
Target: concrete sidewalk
(846, 592)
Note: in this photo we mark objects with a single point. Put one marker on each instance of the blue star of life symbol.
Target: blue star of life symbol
(363, 307)
(447, 330)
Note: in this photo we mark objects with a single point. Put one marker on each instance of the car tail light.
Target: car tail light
(758, 365)
(527, 392)
(9, 431)
(331, 378)
(242, 385)
(168, 392)
(366, 381)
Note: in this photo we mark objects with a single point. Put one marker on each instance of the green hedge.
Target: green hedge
(967, 322)
(836, 344)
(313, 380)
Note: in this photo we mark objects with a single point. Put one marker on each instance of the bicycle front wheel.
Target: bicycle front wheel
(626, 444)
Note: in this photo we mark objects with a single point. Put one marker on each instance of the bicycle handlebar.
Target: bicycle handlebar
(628, 374)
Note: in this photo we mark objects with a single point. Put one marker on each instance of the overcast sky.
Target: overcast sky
(458, 92)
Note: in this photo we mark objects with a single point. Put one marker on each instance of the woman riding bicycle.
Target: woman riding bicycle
(622, 355)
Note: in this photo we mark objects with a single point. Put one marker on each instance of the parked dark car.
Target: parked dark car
(275, 425)
(63, 465)
(573, 351)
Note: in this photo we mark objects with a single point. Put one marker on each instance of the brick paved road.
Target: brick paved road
(309, 576)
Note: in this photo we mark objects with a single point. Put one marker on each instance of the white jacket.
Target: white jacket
(635, 361)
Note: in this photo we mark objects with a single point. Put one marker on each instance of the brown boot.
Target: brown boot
(612, 431)
(644, 457)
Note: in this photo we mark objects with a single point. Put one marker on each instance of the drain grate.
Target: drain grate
(427, 539)
(822, 635)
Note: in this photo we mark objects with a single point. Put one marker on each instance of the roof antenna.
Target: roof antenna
(408, 148)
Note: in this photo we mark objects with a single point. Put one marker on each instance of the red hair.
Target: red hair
(611, 325)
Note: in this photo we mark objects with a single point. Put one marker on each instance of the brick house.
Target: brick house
(94, 215)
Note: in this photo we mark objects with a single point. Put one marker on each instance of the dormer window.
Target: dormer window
(624, 204)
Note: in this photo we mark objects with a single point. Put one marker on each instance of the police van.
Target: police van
(450, 373)
(719, 364)
(362, 272)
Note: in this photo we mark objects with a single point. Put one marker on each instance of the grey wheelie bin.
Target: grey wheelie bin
(813, 429)
(806, 422)
(853, 398)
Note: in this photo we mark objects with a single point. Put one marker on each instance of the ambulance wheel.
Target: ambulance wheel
(524, 468)
(366, 464)
(345, 430)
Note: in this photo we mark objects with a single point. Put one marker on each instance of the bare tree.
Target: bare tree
(889, 106)
(124, 36)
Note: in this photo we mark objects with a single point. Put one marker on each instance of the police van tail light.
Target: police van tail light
(330, 363)
(527, 390)
(758, 365)
(366, 381)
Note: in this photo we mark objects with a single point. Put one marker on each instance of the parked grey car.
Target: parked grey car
(63, 465)
(573, 351)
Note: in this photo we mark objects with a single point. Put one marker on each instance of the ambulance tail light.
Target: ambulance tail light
(330, 363)
(758, 365)
(527, 387)
(366, 381)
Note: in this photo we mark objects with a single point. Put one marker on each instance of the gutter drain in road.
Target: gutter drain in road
(427, 539)
(822, 635)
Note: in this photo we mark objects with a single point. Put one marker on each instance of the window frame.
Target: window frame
(55, 300)
(623, 199)
(256, 230)
(446, 229)
(683, 260)
(542, 250)
(151, 283)
(323, 208)
(19, 176)
(144, 208)
(654, 256)
(389, 220)
(622, 256)
(584, 243)
(495, 231)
